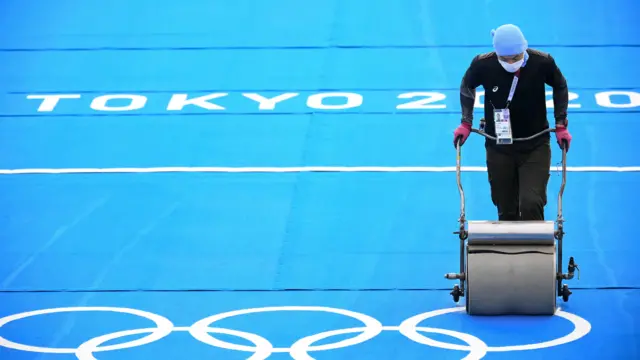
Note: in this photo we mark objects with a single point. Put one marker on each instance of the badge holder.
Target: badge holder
(502, 117)
(503, 127)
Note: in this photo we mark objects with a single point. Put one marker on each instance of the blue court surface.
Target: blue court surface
(252, 179)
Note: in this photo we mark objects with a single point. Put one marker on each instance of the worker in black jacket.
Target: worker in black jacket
(514, 79)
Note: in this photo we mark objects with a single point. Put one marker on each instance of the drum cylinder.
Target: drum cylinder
(511, 268)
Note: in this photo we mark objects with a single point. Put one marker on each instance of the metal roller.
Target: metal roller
(511, 268)
(511, 232)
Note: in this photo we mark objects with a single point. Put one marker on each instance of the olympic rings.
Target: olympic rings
(299, 350)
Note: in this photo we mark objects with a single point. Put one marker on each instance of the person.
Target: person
(514, 78)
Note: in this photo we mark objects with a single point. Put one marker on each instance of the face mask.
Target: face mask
(511, 67)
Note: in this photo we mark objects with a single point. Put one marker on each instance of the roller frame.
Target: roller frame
(562, 290)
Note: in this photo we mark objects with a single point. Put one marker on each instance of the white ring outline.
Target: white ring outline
(163, 328)
(86, 350)
(581, 328)
(477, 347)
(373, 328)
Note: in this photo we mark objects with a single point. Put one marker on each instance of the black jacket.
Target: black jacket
(528, 107)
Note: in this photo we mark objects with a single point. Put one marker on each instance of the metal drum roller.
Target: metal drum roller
(511, 267)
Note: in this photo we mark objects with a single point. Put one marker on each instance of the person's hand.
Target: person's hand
(563, 135)
(461, 133)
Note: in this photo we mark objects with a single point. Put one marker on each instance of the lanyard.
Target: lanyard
(513, 88)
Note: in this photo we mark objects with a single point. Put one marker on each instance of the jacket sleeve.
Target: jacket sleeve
(558, 83)
(470, 81)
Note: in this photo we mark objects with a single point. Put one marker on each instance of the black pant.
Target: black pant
(518, 181)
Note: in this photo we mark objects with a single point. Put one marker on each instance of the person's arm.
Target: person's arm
(558, 83)
(470, 81)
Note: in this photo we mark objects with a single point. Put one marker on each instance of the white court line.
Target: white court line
(297, 169)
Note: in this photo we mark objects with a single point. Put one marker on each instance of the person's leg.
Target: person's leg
(503, 180)
(534, 172)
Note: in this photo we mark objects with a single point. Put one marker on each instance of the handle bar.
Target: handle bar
(516, 139)
(462, 219)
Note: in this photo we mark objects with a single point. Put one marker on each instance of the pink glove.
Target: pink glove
(562, 135)
(462, 133)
